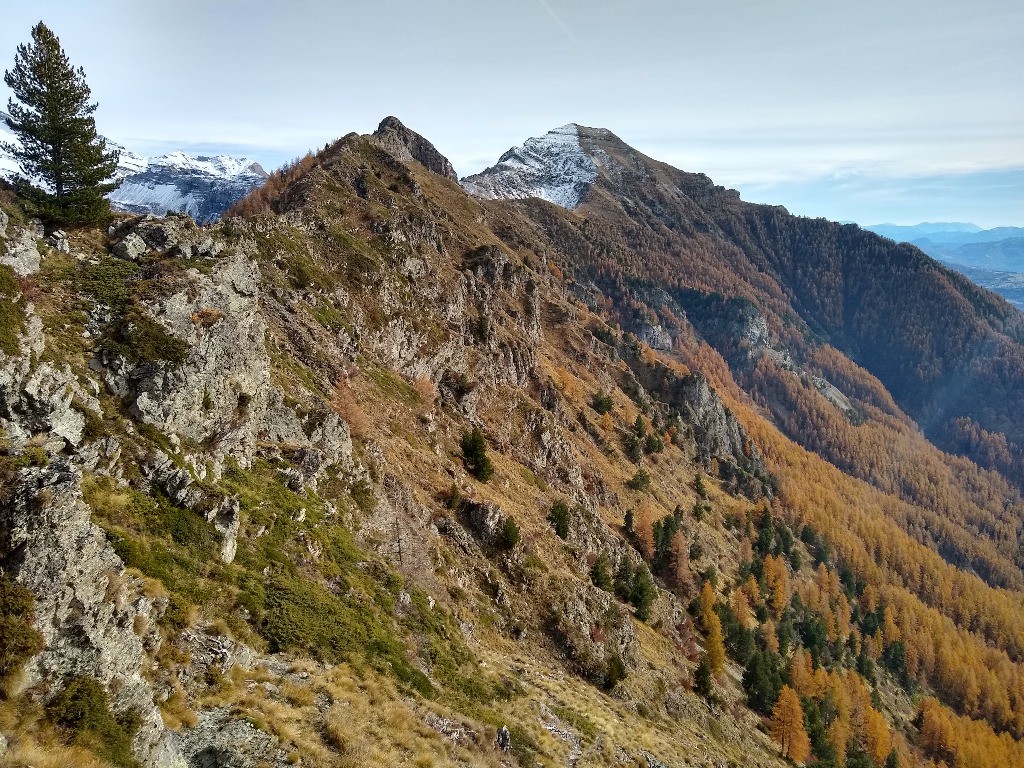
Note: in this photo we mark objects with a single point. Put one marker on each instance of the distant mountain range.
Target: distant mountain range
(992, 258)
(204, 187)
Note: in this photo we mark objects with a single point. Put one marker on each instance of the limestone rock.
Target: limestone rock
(49, 545)
(221, 741)
(226, 518)
(404, 144)
(131, 248)
(59, 241)
(39, 399)
(20, 252)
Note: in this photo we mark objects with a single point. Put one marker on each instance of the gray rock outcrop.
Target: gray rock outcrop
(400, 142)
(85, 607)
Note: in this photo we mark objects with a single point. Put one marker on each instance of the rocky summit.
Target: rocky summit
(582, 461)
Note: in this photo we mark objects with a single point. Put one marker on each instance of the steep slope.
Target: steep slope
(264, 419)
(670, 242)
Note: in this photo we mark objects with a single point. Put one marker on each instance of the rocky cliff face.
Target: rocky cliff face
(393, 137)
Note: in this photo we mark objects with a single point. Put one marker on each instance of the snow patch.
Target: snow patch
(553, 167)
(204, 187)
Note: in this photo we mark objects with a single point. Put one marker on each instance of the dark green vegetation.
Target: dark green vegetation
(12, 312)
(83, 711)
(474, 455)
(19, 640)
(559, 518)
(58, 145)
(121, 286)
(345, 610)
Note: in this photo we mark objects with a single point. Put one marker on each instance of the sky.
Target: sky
(898, 111)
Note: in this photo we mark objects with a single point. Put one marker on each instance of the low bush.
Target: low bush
(19, 640)
(82, 709)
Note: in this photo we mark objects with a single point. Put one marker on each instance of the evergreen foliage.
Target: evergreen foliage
(601, 572)
(19, 641)
(602, 402)
(84, 709)
(508, 534)
(702, 677)
(762, 681)
(559, 518)
(474, 454)
(643, 593)
(58, 145)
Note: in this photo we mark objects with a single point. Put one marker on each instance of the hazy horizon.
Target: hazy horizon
(869, 113)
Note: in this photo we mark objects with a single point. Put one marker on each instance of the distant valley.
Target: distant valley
(992, 258)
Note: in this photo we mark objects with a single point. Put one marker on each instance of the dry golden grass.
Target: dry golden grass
(426, 390)
(345, 404)
(176, 712)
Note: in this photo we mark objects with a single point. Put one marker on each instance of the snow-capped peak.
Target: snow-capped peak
(553, 167)
(204, 187)
(218, 166)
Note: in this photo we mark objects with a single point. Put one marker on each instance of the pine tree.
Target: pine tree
(702, 677)
(559, 518)
(787, 726)
(474, 453)
(643, 593)
(58, 145)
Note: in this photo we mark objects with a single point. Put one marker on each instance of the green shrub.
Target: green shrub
(653, 444)
(12, 311)
(699, 487)
(601, 572)
(602, 402)
(616, 672)
(111, 282)
(302, 615)
(508, 534)
(474, 455)
(623, 583)
(559, 518)
(641, 481)
(141, 339)
(362, 494)
(19, 640)
(83, 709)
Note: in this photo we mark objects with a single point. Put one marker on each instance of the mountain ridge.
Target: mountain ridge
(272, 430)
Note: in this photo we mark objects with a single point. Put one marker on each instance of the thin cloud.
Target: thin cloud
(554, 16)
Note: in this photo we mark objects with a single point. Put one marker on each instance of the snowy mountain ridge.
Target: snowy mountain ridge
(554, 167)
(201, 186)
